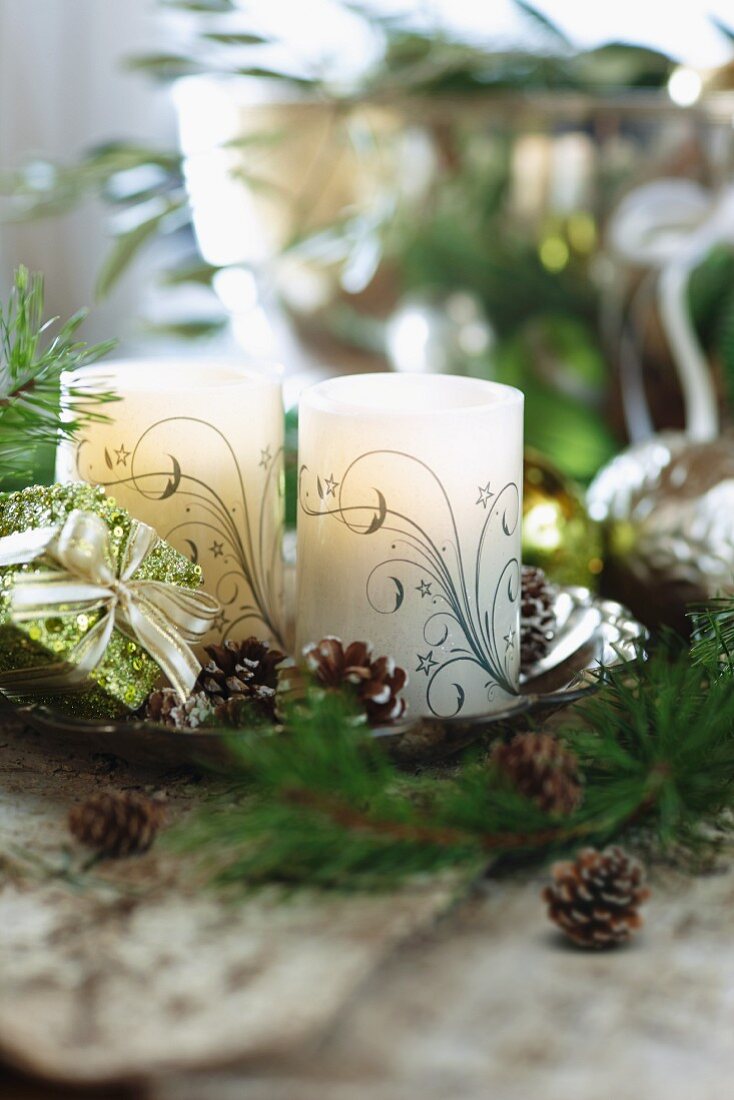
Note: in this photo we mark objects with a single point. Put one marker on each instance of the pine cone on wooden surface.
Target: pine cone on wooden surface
(117, 823)
(376, 683)
(537, 615)
(595, 899)
(241, 677)
(541, 768)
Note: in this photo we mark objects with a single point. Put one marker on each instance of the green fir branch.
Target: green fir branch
(32, 360)
(713, 634)
(323, 805)
(547, 27)
(661, 746)
(726, 29)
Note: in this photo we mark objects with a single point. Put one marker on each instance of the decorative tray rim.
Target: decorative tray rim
(610, 617)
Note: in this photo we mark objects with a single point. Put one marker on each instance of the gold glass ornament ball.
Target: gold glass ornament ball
(557, 533)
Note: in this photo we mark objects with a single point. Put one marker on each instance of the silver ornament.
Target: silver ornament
(667, 506)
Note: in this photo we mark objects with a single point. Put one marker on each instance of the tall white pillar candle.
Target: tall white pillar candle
(195, 449)
(409, 531)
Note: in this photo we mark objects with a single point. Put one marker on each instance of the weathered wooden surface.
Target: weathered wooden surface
(133, 967)
(491, 1005)
(145, 976)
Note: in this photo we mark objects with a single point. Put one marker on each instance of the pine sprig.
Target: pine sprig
(713, 634)
(323, 805)
(32, 361)
(661, 746)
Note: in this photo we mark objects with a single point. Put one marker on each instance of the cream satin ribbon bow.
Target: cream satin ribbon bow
(160, 616)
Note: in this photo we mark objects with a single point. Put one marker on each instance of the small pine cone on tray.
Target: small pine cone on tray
(237, 682)
(165, 707)
(537, 615)
(541, 768)
(117, 823)
(595, 899)
(377, 683)
(241, 677)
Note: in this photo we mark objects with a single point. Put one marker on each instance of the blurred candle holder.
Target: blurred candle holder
(195, 449)
(409, 530)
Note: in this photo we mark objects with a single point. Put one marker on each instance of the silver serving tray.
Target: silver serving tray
(591, 634)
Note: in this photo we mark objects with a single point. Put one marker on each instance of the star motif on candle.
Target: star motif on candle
(122, 455)
(217, 549)
(485, 495)
(330, 486)
(424, 588)
(509, 639)
(425, 664)
(265, 458)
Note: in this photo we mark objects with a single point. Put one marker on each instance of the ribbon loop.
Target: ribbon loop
(82, 547)
(160, 616)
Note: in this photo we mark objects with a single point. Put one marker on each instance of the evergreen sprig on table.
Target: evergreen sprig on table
(31, 364)
(713, 634)
(323, 805)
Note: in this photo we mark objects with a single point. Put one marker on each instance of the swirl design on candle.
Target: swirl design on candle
(205, 523)
(465, 607)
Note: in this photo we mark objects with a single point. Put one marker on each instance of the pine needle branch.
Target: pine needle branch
(713, 633)
(323, 805)
(32, 360)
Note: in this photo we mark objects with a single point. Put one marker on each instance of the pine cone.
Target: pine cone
(239, 676)
(537, 615)
(117, 823)
(377, 683)
(165, 707)
(595, 899)
(238, 711)
(541, 768)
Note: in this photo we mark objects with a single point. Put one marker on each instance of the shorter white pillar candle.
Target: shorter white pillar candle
(195, 449)
(409, 531)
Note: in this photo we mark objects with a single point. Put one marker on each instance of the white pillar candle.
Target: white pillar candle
(409, 531)
(195, 449)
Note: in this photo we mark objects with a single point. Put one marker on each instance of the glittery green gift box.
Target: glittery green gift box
(123, 679)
